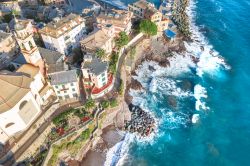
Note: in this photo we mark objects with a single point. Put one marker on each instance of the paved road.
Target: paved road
(78, 5)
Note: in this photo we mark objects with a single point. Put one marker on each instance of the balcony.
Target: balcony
(98, 92)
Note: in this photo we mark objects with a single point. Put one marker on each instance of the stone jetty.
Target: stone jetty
(141, 122)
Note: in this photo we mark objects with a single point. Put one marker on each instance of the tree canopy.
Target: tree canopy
(90, 103)
(100, 53)
(148, 27)
(122, 40)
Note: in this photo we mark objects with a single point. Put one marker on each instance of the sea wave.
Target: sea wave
(200, 93)
(210, 61)
(119, 152)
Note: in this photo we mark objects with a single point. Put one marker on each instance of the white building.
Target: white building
(39, 87)
(94, 71)
(64, 34)
(18, 106)
(96, 77)
(65, 84)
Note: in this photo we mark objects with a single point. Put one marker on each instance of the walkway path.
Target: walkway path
(33, 132)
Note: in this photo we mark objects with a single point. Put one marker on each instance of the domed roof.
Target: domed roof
(14, 86)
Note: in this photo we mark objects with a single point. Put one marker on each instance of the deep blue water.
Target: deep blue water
(222, 136)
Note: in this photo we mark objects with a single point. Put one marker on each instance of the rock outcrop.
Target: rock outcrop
(141, 122)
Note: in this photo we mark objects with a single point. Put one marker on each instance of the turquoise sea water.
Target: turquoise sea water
(222, 135)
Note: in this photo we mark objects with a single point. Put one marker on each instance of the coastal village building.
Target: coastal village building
(95, 76)
(20, 100)
(64, 81)
(66, 84)
(54, 61)
(120, 19)
(39, 87)
(8, 48)
(49, 12)
(146, 10)
(6, 6)
(166, 8)
(7, 44)
(99, 39)
(64, 34)
(54, 2)
(155, 16)
(139, 8)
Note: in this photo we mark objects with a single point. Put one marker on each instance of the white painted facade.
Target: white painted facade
(67, 91)
(67, 40)
(19, 117)
(95, 96)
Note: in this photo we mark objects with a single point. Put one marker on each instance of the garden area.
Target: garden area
(68, 121)
(70, 145)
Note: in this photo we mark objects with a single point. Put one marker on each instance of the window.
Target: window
(63, 86)
(30, 44)
(58, 92)
(56, 86)
(65, 91)
(60, 97)
(73, 89)
(103, 79)
(72, 84)
(22, 46)
(66, 96)
(75, 95)
(23, 104)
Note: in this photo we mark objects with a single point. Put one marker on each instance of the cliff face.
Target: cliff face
(136, 85)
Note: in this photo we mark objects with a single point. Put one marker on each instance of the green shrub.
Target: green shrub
(113, 62)
(100, 53)
(105, 104)
(62, 117)
(90, 103)
(148, 27)
(113, 103)
(85, 134)
(121, 88)
(122, 40)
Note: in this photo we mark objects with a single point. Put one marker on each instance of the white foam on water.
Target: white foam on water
(179, 64)
(173, 120)
(195, 118)
(210, 61)
(199, 94)
(119, 152)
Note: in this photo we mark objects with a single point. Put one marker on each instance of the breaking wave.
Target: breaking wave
(119, 152)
